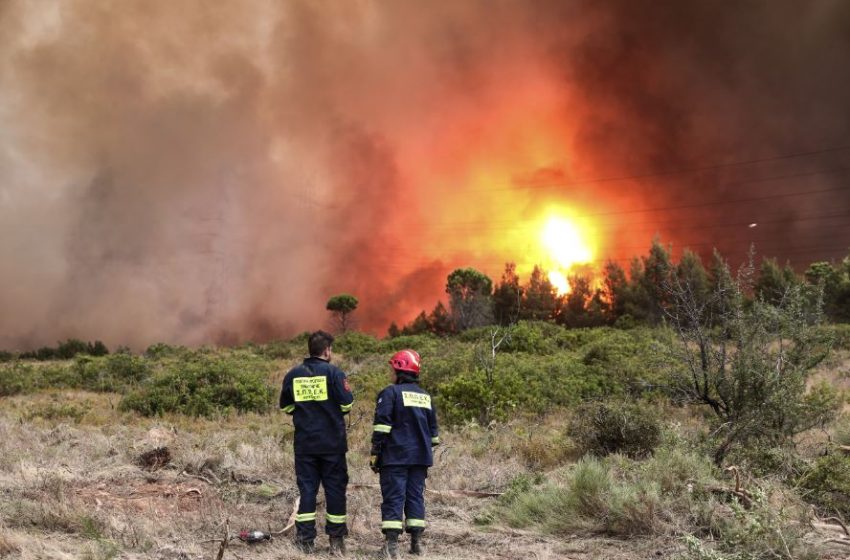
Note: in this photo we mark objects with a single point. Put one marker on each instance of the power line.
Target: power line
(765, 249)
(760, 198)
(664, 173)
(676, 224)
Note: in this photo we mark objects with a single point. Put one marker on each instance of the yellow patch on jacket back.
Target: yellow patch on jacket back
(310, 388)
(416, 399)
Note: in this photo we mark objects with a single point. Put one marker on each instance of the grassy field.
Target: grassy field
(72, 484)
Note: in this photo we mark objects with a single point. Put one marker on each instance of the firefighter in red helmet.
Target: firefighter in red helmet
(404, 431)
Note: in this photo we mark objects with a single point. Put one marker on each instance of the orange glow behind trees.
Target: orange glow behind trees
(566, 246)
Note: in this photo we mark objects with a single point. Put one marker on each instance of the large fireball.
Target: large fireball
(565, 246)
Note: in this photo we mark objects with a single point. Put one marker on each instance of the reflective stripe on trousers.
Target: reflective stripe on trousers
(331, 472)
(403, 492)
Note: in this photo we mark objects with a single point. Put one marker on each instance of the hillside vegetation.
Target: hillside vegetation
(584, 433)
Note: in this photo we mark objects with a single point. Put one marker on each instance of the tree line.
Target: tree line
(618, 296)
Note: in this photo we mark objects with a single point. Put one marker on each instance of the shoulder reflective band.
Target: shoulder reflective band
(289, 409)
(335, 518)
(415, 522)
(392, 525)
(310, 388)
(383, 428)
(302, 517)
(420, 400)
(346, 407)
(435, 440)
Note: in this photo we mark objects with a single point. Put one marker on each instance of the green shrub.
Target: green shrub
(70, 348)
(205, 385)
(472, 396)
(67, 350)
(275, 350)
(573, 339)
(666, 494)
(827, 483)
(532, 337)
(450, 360)
(425, 344)
(126, 369)
(57, 411)
(555, 381)
(300, 340)
(625, 322)
(591, 499)
(42, 354)
(17, 378)
(527, 505)
(676, 471)
(114, 373)
(356, 345)
(160, 350)
(765, 459)
(774, 522)
(59, 376)
(841, 435)
(840, 335)
(6, 356)
(602, 428)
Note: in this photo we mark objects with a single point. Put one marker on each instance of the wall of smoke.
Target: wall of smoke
(201, 171)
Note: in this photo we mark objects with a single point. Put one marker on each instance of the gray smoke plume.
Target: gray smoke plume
(194, 171)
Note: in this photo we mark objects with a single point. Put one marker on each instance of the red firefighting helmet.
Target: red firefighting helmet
(406, 360)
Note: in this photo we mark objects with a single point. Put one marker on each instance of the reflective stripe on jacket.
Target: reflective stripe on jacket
(405, 426)
(318, 396)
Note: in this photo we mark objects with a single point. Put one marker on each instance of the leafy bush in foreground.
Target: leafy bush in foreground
(17, 378)
(474, 397)
(828, 484)
(113, 373)
(602, 428)
(591, 499)
(205, 385)
(667, 494)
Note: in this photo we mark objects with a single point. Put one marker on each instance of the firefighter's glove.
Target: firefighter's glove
(374, 463)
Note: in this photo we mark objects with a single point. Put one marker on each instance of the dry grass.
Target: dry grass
(71, 485)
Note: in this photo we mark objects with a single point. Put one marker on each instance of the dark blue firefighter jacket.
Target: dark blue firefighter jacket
(405, 426)
(317, 395)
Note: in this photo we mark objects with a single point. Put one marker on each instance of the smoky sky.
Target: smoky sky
(193, 172)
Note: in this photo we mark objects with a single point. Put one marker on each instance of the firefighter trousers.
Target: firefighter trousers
(403, 491)
(331, 471)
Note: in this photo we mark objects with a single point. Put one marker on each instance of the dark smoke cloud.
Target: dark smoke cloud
(682, 85)
(200, 171)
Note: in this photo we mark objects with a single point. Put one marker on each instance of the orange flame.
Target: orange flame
(566, 245)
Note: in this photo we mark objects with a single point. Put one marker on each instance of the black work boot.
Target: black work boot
(306, 547)
(390, 549)
(337, 546)
(416, 543)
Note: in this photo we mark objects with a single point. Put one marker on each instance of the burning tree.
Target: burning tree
(749, 361)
